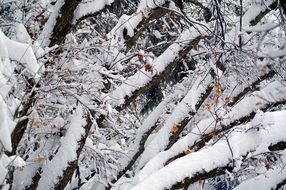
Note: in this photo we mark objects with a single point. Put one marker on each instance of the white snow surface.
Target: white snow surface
(240, 142)
(142, 77)
(20, 52)
(180, 112)
(90, 7)
(130, 22)
(252, 102)
(254, 9)
(267, 180)
(66, 152)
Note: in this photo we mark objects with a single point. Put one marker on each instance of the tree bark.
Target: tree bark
(64, 22)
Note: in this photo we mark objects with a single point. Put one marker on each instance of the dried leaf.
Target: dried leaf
(50, 60)
(149, 68)
(40, 158)
(266, 164)
(162, 28)
(70, 72)
(141, 57)
(217, 90)
(227, 99)
(36, 123)
(173, 15)
(216, 100)
(207, 106)
(175, 128)
(188, 151)
(142, 14)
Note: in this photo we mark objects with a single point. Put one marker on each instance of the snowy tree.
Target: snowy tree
(142, 94)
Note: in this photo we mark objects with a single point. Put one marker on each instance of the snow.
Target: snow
(44, 38)
(20, 52)
(243, 108)
(150, 121)
(53, 170)
(255, 9)
(150, 4)
(272, 53)
(17, 161)
(22, 34)
(4, 162)
(251, 13)
(5, 138)
(181, 111)
(23, 178)
(240, 143)
(90, 7)
(267, 180)
(24, 54)
(130, 22)
(143, 77)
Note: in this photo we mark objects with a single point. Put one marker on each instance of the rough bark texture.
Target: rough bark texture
(175, 136)
(154, 15)
(213, 173)
(64, 22)
(21, 126)
(258, 18)
(201, 176)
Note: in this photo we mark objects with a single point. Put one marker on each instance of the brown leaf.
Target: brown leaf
(162, 28)
(266, 164)
(40, 159)
(149, 68)
(173, 15)
(216, 100)
(140, 57)
(228, 100)
(36, 123)
(142, 14)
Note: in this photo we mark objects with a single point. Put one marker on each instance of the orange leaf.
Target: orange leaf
(216, 100)
(207, 106)
(217, 89)
(175, 128)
